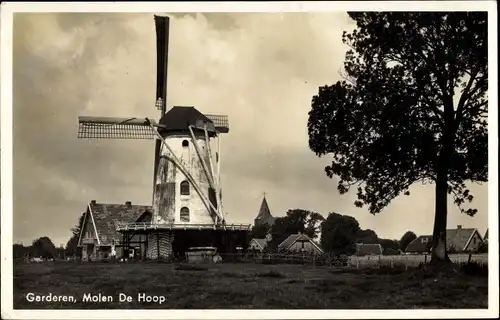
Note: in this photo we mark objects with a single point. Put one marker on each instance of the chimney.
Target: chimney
(128, 203)
(459, 227)
(93, 202)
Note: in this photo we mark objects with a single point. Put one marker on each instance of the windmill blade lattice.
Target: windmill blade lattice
(220, 121)
(114, 128)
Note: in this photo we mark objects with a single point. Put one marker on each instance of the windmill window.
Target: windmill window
(185, 143)
(185, 188)
(184, 214)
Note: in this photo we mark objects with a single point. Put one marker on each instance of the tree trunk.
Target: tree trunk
(439, 253)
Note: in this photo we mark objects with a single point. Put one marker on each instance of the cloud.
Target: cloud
(260, 69)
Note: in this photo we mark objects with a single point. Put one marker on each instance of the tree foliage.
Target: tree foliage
(259, 231)
(72, 244)
(367, 236)
(406, 239)
(43, 247)
(412, 107)
(338, 234)
(389, 244)
(295, 221)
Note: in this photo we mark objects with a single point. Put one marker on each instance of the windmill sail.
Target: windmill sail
(114, 128)
(162, 25)
(162, 36)
(220, 121)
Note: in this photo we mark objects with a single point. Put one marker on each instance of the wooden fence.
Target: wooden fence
(348, 261)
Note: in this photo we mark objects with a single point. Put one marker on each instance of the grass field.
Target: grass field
(237, 286)
(411, 260)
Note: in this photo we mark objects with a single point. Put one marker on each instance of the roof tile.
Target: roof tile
(107, 215)
(455, 238)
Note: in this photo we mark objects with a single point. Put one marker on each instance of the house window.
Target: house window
(185, 143)
(184, 214)
(184, 188)
(474, 240)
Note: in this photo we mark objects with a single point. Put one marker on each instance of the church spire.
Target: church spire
(264, 215)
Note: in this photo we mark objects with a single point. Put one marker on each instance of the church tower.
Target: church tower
(264, 215)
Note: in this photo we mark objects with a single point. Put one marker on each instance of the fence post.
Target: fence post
(425, 257)
(470, 257)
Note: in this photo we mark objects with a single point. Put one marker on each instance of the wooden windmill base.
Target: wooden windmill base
(171, 244)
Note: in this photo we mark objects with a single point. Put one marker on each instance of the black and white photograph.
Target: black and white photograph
(249, 160)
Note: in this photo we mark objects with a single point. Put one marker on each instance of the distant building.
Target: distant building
(259, 244)
(297, 243)
(363, 249)
(264, 216)
(458, 240)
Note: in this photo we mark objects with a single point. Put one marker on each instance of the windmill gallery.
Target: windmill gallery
(187, 208)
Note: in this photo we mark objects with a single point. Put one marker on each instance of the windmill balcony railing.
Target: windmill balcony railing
(120, 226)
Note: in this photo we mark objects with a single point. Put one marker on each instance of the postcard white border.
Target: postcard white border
(7, 10)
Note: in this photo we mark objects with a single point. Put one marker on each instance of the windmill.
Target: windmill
(184, 160)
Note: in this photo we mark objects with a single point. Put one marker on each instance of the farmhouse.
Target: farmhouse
(457, 240)
(99, 237)
(264, 216)
(422, 244)
(300, 243)
(363, 249)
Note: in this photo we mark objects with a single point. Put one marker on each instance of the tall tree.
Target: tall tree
(259, 231)
(44, 247)
(279, 232)
(19, 251)
(367, 236)
(72, 244)
(305, 221)
(406, 239)
(338, 234)
(413, 107)
(295, 221)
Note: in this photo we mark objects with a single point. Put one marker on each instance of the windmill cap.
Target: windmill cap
(181, 118)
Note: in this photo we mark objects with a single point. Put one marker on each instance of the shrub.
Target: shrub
(391, 252)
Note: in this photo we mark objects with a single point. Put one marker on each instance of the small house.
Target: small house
(363, 249)
(457, 240)
(259, 244)
(421, 245)
(300, 243)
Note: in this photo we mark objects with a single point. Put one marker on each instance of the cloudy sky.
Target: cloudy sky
(260, 69)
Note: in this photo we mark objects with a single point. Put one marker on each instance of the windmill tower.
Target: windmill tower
(187, 184)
